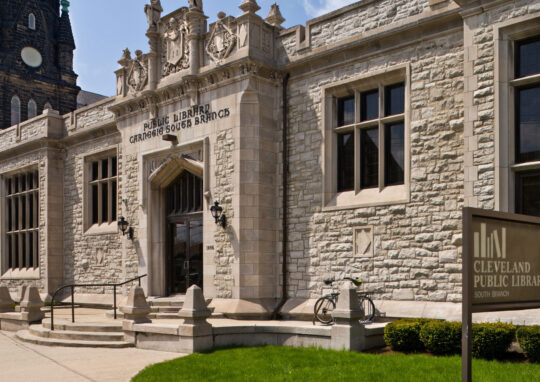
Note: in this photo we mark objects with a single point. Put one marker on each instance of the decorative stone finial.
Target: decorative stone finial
(196, 4)
(136, 308)
(194, 305)
(275, 17)
(65, 5)
(6, 302)
(348, 307)
(153, 14)
(249, 6)
(126, 58)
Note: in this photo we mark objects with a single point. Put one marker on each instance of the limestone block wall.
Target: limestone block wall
(91, 116)
(355, 19)
(95, 257)
(482, 104)
(417, 245)
(223, 150)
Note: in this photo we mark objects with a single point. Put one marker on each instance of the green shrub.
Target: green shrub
(404, 335)
(529, 339)
(491, 340)
(441, 338)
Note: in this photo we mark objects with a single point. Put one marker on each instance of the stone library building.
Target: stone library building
(256, 161)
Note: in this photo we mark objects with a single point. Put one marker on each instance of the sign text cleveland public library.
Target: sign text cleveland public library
(345, 147)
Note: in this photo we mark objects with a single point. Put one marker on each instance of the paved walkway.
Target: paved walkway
(20, 361)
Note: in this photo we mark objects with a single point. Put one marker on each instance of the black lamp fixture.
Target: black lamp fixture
(123, 225)
(217, 213)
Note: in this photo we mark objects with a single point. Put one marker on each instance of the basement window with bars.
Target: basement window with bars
(102, 206)
(22, 220)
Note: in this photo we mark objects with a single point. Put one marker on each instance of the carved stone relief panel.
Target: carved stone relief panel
(363, 241)
(243, 35)
(222, 40)
(175, 45)
(137, 72)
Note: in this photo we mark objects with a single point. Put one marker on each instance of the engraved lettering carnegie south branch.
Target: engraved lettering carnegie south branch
(194, 116)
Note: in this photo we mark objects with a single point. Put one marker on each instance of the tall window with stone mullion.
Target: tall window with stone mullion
(103, 190)
(526, 86)
(22, 220)
(370, 127)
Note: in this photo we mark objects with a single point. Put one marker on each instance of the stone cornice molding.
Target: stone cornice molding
(190, 86)
(421, 26)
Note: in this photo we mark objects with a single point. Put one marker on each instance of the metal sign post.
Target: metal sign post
(501, 268)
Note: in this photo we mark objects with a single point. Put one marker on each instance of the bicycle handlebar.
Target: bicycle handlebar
(356, 282)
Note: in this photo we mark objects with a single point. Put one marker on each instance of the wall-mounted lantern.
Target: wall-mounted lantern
(217, 213)
(123, 225)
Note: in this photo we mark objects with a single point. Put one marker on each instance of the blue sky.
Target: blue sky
(103, 28)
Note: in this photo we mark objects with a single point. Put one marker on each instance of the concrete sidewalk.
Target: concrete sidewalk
(21, 361)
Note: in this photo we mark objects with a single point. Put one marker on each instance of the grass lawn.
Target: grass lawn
(272, 363)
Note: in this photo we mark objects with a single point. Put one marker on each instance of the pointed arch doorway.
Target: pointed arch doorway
(184, 260)
(175, 225)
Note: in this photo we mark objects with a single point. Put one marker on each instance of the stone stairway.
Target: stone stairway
(165, 307)
(97, 335)
(160, 308)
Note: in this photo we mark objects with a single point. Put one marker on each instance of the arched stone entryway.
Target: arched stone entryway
(175, 226)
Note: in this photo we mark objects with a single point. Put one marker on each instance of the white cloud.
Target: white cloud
(316, 8)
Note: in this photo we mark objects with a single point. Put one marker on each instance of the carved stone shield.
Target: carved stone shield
(176, 41)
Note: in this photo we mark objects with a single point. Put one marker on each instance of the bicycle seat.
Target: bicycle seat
(356, 282)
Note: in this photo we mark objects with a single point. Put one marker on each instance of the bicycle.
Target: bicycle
(326, 304)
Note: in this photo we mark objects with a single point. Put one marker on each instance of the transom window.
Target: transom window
(22, 220)
(370, 128)
(526, 86)
(103, 190)
(184, 195)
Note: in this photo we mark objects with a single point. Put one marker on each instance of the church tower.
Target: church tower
(36, 60)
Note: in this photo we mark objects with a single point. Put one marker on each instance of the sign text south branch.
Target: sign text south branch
(196, 115)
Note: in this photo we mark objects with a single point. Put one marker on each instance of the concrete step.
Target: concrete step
(83, 326)
(40, 331)
(25, 335)
(179, 302)
(166, 309)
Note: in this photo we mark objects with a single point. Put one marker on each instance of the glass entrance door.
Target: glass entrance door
(186, 254)
(184, 219)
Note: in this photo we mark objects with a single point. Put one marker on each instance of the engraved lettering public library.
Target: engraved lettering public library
(345, 147)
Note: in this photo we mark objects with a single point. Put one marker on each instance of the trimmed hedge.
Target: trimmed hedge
(404, 335)
(529, 340)
(441, 338)
(491, 340)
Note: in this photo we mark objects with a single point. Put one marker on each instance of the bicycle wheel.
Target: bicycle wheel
(369, 308)
(323, 310)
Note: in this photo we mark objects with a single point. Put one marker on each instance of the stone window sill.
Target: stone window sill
(368, 198)
(21, 274)
(102, 229)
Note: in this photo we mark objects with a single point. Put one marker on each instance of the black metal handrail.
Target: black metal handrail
(73, 286)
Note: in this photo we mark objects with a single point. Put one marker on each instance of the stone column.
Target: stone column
(348, 333)
(197, 27)
(195, 332)
(6, 302)
(153, 58)
(31, 305)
